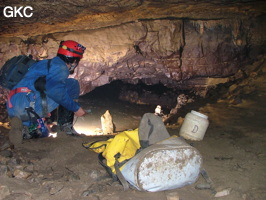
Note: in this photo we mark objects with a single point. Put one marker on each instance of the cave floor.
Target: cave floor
(233, 151)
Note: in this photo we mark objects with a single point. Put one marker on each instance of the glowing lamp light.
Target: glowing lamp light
(89, 131)
(53, 135)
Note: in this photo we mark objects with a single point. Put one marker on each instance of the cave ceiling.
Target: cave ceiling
(68, 15)
(155, 41)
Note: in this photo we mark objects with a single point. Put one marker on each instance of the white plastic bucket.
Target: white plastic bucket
(194, 126)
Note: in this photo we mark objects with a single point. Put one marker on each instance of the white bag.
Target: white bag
(169, 164)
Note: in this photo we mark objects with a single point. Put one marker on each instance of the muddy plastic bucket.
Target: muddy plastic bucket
(194, 126)
(167, 165)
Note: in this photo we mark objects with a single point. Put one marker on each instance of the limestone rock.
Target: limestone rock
(107, 123)
(223, 193)
(171, 52)
(4, 191)
(21, 174)
(3, 170)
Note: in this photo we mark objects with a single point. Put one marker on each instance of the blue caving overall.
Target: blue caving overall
(60, 90)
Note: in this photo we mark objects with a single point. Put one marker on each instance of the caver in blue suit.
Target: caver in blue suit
(26, 102)
(60, 90)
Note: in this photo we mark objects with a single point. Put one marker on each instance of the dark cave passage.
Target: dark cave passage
(139, 94)
(126, 103)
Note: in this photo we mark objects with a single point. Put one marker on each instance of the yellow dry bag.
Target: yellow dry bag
(116, 150)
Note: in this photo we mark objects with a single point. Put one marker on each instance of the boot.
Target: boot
(69, 129)
(15, 134)
(52, 121)
(65, 121)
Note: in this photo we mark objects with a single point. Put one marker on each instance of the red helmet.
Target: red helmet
(71, 48)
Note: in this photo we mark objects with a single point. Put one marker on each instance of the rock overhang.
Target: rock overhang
(152, 41)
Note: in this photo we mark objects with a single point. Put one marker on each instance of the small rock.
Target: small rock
(40, 176)
(21, 174)
(14, 161)
(203, 186)
(19, 167)
(55, 188)
(3, 170)
(244, 196)
(29, 168)
(71, 176)
(34, 180)
(172, 196)
(6, 153)
(261, 155)
(253, 74)
(223, 193)
(5, 145)
(95, 174)
(3, 160)
(4, 191)
(86, 193)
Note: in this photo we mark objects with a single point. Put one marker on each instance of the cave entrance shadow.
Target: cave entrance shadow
(127, 103)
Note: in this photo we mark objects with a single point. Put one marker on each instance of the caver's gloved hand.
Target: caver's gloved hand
(81, 112)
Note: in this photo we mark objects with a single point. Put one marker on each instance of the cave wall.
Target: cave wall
(170, 51)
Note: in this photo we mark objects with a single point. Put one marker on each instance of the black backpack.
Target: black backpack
(14, 70)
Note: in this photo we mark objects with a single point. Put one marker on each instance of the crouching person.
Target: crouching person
(44, 88)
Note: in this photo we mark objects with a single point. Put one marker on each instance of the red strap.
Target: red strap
(15, 91)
